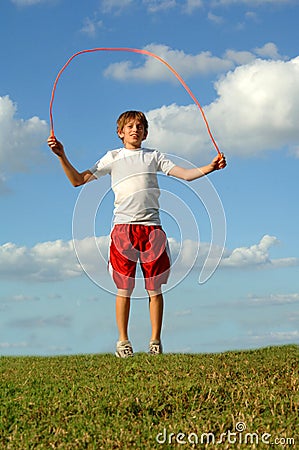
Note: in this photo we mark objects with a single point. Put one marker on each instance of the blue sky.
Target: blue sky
(245, 72)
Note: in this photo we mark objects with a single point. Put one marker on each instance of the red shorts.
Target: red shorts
(146, 243)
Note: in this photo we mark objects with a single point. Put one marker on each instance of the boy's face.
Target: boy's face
(132, 134)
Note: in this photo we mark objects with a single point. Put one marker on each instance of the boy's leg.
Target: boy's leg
(123, 346)
(155, 265)
(123, 300)
(156, 305)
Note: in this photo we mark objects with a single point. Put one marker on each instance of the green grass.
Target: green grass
(102, 402)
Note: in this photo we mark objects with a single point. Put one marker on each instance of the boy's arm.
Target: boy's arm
(198, 172)
(75, 177)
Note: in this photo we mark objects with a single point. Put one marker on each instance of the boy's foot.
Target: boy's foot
(155, 348)
(124, 349)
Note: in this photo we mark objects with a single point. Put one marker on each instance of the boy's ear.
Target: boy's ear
(120, 133)
(145, 135)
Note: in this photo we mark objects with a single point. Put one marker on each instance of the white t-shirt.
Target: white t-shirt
(134, 183)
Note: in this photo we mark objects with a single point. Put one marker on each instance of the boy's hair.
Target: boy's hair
(126, 116)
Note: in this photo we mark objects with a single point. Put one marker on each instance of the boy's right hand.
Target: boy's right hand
(55, 146)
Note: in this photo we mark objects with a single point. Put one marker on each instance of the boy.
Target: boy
(137, 232)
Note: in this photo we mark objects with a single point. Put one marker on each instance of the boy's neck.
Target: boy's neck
(131, 147)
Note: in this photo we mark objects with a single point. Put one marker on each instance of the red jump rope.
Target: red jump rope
(132, 50)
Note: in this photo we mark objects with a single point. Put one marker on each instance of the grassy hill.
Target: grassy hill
(240, 400)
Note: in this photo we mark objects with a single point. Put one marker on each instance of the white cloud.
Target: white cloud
(29, 2)
(91, 26)
(256, 111)
(108, 6)
(251, 15)
(274, 299)
(252, 2)
(257, 107)
(186, 65)
(275, 337)
(186, 6)
(179, 130)
(20, 140)
(215, 18)
(51, 261)
(183, 254)
(269, 50)
(192, 5)
(183, 313)
(56, 260)
(151, 6)
(154, 6)
(257, 255)
(239, 57)
(13, 345)
(285, 335)
(44, 262)
(59, 320)
(22, 298)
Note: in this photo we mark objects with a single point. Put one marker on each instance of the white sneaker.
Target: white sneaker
(155, 348)
(124, 349)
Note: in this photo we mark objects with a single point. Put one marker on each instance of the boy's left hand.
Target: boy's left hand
(219, 162)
